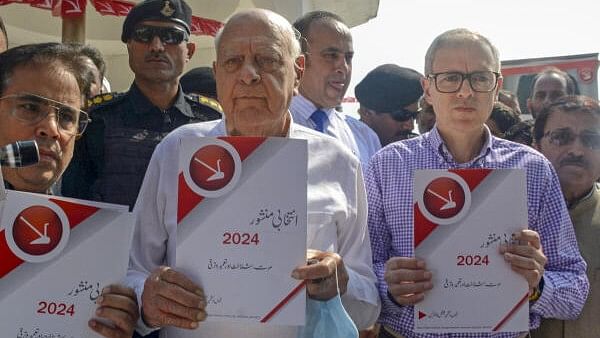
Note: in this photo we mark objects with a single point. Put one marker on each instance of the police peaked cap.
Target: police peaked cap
(389, 88)
(199, 80)
(176, 11)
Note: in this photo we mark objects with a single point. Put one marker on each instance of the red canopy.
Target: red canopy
(76, 8)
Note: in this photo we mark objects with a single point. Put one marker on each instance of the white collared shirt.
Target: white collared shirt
(336, 222)
(357, 136)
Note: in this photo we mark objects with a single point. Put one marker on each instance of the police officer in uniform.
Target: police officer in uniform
(111, 158)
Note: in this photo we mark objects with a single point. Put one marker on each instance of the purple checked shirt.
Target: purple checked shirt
(389, 182)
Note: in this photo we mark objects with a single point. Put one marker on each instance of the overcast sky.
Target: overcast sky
(403, 29)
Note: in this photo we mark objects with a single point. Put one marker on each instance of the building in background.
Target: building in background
(519, 74)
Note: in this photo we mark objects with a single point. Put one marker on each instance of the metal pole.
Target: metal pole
(73, 29)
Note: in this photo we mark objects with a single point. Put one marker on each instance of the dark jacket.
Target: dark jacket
(111, 158)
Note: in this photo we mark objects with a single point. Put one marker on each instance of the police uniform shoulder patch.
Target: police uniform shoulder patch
(105, 99)
(205, 101)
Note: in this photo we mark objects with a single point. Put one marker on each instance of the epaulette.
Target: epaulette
(104, 99)
(206, 101)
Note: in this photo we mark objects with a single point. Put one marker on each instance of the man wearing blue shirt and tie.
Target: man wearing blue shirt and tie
(327, 45)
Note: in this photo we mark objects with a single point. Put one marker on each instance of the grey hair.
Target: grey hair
(456, 37)
(277, 22)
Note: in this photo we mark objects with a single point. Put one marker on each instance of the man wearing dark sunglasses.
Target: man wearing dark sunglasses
(126, 127)
(567, 132)
(389, 101)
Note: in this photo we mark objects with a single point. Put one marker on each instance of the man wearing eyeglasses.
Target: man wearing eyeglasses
(41, 92)
(326, 43)
(40, 100)
(567, 132)
(389, 101)
(462, 82)
(113, 158)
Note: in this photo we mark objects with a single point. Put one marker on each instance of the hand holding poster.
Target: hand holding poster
(242, 227)
(461, 218)
(57, 255)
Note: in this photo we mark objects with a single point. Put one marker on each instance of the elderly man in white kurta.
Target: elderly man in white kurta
(257, 70)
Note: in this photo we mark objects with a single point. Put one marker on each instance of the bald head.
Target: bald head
(281, 29)
(257, 71)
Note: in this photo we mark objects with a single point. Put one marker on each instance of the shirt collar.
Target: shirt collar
(221, 128)
(304, 107)
(438, 146)
(142, 105)
(585, 197)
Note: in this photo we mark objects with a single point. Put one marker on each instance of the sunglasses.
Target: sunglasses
(167, 35)
(402, 115)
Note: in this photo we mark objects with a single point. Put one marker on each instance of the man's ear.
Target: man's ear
(529, 106)
(191, 49)
(299, 69)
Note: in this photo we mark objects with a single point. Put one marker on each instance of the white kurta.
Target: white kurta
(337, 217)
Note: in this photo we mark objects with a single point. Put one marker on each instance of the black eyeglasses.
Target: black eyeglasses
(402, 115)
(167, 35)
(564, 137)
(32, 109)
(451, 82)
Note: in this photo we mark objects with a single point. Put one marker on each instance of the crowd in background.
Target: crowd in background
(118, 147)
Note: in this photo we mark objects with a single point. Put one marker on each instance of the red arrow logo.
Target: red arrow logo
(422, 314)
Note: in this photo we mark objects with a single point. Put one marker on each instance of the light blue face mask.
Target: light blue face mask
(328, 319)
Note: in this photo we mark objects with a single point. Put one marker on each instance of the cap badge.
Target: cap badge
(167, 10)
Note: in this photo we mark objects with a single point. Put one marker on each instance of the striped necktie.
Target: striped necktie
(319, 117)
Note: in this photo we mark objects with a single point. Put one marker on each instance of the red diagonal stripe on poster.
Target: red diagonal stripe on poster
(424, 227)
(9, 259)
(76, 213)
(511, 312)
(187, 199)
(244, 145)
(472, 176)
(284, 301)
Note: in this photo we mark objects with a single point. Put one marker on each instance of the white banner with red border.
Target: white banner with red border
(242, 227)
(461, 217)
(56, 256)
